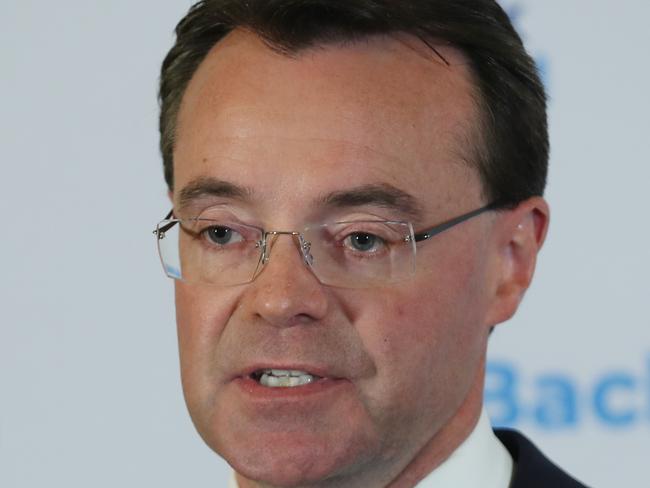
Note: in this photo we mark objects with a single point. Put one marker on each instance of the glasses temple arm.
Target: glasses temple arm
(166, 227)
(426, 234)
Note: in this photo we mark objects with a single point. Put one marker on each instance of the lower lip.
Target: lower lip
(319, 386)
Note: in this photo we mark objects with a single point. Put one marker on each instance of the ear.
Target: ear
(519, 235)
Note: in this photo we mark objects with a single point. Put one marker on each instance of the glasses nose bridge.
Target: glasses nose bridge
(298, 237)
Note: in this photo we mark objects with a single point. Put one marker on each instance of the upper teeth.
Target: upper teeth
(285, 378)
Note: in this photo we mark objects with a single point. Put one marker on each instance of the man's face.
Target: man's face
(398, 362)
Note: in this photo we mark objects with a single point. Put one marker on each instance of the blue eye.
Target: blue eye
(364, 242)
(221, 235)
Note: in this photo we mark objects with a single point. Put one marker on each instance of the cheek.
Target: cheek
(427, 336)
(201, 315)
(416, 321)
(404, 331)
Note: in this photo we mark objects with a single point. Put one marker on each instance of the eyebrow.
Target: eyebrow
(381, 195)
(207, 186)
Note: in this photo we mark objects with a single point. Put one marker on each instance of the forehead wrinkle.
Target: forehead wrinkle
(381, 194)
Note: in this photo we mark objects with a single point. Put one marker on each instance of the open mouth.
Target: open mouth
(283, 378)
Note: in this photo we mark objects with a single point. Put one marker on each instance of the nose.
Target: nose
(286, 293)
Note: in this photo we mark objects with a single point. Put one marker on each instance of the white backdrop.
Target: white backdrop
(89, 384)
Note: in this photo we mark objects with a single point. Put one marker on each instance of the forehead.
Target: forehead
(384, 110)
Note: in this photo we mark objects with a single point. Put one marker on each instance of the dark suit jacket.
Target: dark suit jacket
(532, 469)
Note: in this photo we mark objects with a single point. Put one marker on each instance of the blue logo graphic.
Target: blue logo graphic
(557, 401)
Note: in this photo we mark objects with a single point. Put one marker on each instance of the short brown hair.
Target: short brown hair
(512, 156)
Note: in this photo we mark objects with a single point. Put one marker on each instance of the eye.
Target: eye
(364, 242)
(221, 235)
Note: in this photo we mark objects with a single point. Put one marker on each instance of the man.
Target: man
(357, 201)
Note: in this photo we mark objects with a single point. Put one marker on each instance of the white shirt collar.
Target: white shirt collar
(481, 461)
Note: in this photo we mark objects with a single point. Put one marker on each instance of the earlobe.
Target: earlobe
(520, 234)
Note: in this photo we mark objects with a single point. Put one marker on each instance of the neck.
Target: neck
(447, 439)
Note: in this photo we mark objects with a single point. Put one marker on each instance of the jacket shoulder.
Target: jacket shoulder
(532, 468)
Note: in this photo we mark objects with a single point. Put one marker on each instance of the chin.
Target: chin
(290, 459)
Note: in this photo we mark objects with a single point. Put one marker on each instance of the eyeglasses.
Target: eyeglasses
(216, 249)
